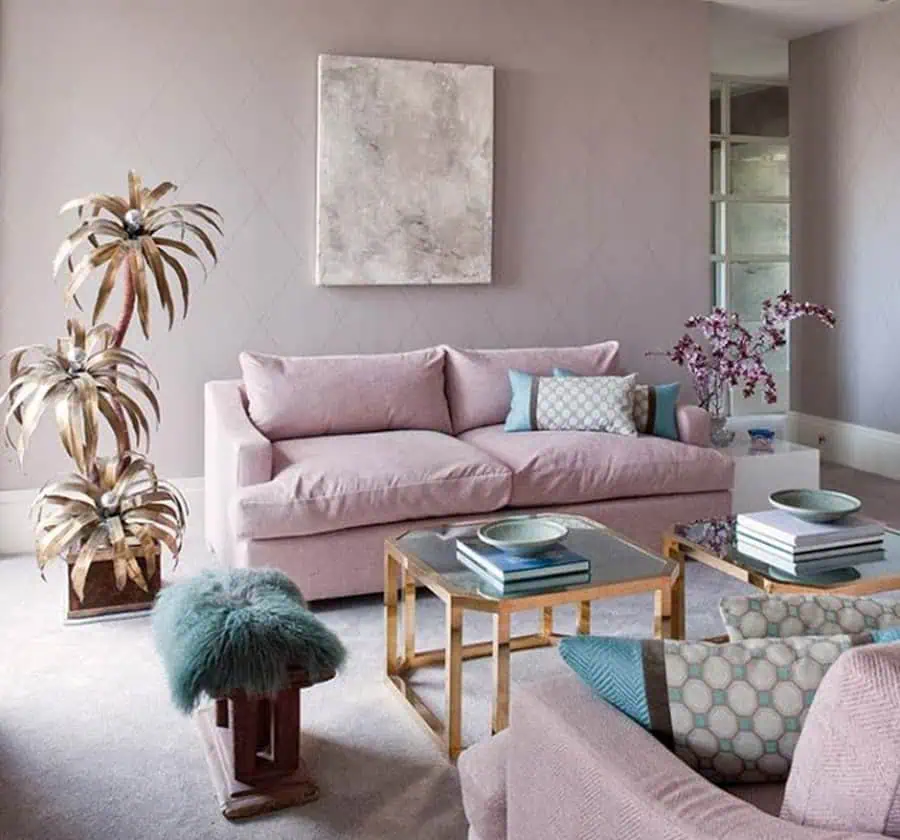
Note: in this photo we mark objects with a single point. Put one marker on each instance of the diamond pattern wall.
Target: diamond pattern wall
(846, 151)
(600, 198)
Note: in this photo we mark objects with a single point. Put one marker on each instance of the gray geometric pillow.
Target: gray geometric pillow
(765, 616)
(733, 712)
(585, 403)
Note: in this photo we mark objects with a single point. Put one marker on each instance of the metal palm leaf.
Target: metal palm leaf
(132, 238)
(124, 510)
(86, 380)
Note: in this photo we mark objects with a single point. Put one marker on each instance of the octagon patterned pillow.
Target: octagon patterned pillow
(763, 616)
(572, 404)
(733, 712)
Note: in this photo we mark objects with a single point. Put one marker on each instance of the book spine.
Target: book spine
(744, 539)
(830, 537)
(792, 548)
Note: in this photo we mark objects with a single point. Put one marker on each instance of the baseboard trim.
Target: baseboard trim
(16, 536)
(860, 447)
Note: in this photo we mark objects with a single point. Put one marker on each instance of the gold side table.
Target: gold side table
(427, 558)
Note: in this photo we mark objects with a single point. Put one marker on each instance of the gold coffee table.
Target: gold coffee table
(427, 558)
(712, 542)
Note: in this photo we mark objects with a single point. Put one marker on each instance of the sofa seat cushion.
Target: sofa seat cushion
(330, 483)
(563, 468)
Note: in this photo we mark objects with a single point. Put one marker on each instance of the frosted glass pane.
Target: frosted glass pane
(759, 170)
(756, 229)
(760, 110)
(752, 283)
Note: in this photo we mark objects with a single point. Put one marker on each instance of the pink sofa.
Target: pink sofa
(312, 462)
(572, 767)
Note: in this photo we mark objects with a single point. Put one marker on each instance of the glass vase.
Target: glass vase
(720, 435)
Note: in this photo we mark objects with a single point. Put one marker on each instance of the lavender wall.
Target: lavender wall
(601, 179)
(846, 238)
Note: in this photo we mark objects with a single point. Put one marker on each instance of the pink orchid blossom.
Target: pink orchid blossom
(732, 356)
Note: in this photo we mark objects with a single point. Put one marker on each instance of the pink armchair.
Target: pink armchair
(573, 768)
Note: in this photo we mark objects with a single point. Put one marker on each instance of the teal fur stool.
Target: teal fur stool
(245, 639)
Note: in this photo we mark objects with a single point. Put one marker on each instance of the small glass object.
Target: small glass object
(762, 440)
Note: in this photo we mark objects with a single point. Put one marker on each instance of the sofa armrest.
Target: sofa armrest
(694, 425)
(578, 769)
(236, 454)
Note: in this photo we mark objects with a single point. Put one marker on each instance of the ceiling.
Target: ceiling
(797, 18)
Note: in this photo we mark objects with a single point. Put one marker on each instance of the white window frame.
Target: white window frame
(720, 202)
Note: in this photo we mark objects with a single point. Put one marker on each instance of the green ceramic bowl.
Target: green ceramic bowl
(523, 536)
(815, 505)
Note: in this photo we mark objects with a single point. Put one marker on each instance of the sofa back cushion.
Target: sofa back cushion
(846, 770)
(478, 386)
(308, 396)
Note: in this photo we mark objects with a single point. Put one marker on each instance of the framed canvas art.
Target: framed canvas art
(405, 172)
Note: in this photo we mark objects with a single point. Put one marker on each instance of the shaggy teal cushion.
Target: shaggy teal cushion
(238, 629)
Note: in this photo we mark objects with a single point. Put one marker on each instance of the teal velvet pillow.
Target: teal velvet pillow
(733, 712)
(519, 417)
(654, 407)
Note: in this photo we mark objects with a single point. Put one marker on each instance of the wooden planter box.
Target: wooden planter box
(100, 594)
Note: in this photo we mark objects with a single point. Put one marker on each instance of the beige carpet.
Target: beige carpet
(91, 748)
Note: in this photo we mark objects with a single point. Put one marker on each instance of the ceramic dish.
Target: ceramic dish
(815, 505)
(523, 536)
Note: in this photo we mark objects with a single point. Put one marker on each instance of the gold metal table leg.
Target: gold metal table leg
(453, 682)
(500, 708)
(679, 612)
(391, 615)
(409, 618)
(583, 623)
(547, 622)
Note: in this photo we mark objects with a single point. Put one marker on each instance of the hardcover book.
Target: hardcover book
(779, 527)
(806, 554)
(808, 567)
(506, 567)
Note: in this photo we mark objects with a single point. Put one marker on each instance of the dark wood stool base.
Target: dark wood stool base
(252, 746)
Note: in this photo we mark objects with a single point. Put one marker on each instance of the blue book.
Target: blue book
(538, 585)
(505, 567)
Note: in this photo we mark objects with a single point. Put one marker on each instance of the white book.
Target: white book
(809, 567)
(778, 526)
(793, 554)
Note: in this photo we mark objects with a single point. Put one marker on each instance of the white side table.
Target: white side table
(757, 474)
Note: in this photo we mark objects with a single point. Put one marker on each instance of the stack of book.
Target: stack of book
(808, 548)
(513, 574)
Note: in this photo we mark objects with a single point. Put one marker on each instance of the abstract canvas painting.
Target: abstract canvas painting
(406, 172)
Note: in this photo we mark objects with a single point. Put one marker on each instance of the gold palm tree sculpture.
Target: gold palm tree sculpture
(113, 504)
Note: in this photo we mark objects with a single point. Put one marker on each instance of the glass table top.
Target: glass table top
(612, 559)
(718, 537)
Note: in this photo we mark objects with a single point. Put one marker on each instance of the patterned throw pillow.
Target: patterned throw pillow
(654, 410)
(763, 616)
(577, 403)
(654, 407)
(733, 712)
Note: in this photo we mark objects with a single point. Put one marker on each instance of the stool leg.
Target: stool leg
(222, 712)
(286, 731)
(263, 724)
(244, 723)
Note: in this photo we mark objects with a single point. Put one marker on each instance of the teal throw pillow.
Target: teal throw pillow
(654, 407)
(764, 616)
(577, 403)
(733, 712)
